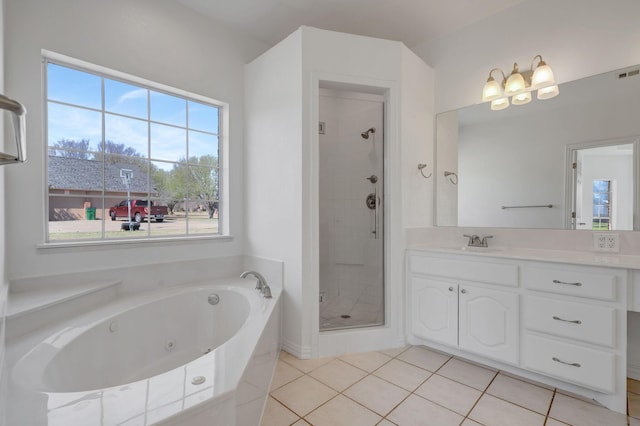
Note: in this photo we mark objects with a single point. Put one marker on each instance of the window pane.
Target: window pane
(168, 143)
(203, 216)
(168, 109)
(125, 99)
(68, 175)
(203, 185)
(203, 145)
(116, 186)
(173, 223)
(203, 117)
(68, 125)
(73, 86)
(75, 218)
(126, 136)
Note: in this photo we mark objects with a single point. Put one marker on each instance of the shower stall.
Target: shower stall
(351, 204)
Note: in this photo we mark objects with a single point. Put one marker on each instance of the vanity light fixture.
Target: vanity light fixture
(519, 85)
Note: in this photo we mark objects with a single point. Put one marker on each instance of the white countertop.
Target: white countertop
(613, 260)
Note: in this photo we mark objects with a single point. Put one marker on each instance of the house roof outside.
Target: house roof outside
(86, 175)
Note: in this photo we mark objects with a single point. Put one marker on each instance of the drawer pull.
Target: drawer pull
(578, 284)
(572, 364)
(564, 320)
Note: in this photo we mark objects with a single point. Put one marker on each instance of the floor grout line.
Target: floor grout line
(411, 392)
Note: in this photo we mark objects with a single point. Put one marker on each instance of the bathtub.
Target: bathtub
(165, 357)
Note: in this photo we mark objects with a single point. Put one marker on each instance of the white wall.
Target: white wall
(577, 38)
(4, 282)
(159, 40)
(282, 109)
(273, 169)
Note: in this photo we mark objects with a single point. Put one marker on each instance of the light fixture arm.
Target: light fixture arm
(540, 63)
(504, 78)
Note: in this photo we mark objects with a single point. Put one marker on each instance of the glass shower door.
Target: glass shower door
(351, 210)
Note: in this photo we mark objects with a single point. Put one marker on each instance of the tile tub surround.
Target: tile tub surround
(417, 386)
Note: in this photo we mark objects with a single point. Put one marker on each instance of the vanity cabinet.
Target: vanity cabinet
(488, 322)
(570, 320)
(559, 323)
(448, 308)
(434, 307)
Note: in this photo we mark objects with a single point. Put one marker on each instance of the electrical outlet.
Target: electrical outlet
(606, 242)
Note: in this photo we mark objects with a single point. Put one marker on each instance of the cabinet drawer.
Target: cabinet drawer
(592, 283)
(579, 321)
(492, 273)
(583, 366)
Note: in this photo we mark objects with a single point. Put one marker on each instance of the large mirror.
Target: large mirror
(570, 162)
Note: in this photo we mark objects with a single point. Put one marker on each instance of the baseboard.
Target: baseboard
(633, 371)
(295, 349)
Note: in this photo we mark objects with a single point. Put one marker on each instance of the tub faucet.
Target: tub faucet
(261, 284)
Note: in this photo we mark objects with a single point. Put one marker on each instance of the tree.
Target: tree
(162, 180)
(118, 153)
(197, 179)
(70, 148)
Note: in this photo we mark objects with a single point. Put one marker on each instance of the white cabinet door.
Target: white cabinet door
(434, 310)
(489, 323)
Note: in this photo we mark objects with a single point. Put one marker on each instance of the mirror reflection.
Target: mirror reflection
(565, 163)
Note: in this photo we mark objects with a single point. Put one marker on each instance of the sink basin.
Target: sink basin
(476, 249)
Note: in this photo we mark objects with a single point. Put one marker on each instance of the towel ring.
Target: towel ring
(422, 166)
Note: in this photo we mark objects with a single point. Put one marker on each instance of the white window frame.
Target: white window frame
(223, 149)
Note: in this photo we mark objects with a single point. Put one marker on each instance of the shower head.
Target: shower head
(365, 135)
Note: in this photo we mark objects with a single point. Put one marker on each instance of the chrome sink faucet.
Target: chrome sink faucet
(261, 284)
(476, 241)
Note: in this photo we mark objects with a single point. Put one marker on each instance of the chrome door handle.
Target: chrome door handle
(450, 288)
(463, 291)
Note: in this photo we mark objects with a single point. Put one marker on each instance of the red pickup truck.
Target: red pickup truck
(139, 211)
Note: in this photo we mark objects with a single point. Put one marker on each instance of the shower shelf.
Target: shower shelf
(25, 302)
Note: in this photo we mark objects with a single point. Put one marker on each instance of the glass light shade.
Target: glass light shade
(515, 84)
(542, 76)
(498, 104)
(548, 92)
(521, 98)
(491, 91)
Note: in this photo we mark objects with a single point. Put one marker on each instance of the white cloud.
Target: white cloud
(132, 94)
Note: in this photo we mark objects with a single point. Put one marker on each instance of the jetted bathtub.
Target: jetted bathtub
(193, 355)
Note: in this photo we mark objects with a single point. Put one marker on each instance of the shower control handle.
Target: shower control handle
(371, 201)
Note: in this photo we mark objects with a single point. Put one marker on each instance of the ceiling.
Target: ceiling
(410, 21)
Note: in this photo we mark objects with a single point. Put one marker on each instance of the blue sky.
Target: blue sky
(168, 143)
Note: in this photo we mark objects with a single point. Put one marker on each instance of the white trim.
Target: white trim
(570, 188)
(91, 67)
(142, 240)
(104, 72)
(333, 343)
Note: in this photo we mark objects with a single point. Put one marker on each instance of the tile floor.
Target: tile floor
(418, 386)
(354, 296)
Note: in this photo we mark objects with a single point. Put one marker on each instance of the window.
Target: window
(601, 205)
(128, 158)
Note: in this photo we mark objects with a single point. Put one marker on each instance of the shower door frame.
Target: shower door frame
(379, 224)
(391, 333)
